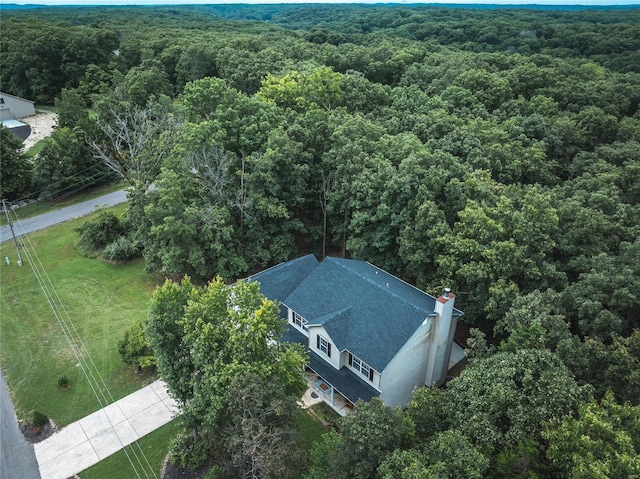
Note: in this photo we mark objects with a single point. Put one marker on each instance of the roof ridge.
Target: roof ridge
(16, 96)
(282, 263)
(339, 261)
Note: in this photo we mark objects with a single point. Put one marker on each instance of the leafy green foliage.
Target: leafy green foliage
(187, 451)
(262, 439)
(525, 337)
(500, 400)
(606, 366)
(15, 168)
(427, 411)
(65, 165)
(447, 454)
(600, 442)
(98, 232)
(319, 88)
(207, 340)
(524, 460)
(71, 108)
(492, 151)
(38, 419)
(135, 349)
(43, 57)
(123, 248)
(146, 82)
(363, 441)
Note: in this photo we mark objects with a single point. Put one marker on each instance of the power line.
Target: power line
(102, 173)
(81, 354)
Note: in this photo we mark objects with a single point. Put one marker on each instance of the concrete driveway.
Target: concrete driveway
(91, 439)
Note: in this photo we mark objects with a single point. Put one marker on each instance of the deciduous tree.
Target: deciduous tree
(15, 168)
(601, 442)
(503, 399)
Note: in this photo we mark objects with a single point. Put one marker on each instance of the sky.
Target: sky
(192, 2)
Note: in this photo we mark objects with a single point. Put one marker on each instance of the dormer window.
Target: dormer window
(360, 366)
(299, 321)
(323, 345)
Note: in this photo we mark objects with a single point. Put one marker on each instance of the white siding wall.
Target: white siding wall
(290, 320)
(18, 107)
(334, 360)
(407, 369)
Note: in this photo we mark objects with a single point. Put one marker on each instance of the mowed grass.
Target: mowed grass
(103, 300)
(310, 429)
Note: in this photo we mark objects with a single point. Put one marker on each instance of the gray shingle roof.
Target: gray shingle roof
(364, 309)
(277, 282)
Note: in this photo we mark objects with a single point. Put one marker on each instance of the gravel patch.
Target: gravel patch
(42, 125)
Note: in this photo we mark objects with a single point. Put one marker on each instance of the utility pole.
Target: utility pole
(6, 211)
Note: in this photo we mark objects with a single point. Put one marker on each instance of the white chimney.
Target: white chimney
(443, 333)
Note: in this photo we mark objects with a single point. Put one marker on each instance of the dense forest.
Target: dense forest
(494, 151)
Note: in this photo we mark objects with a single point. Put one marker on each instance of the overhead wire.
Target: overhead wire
(88, 366)
(102, 173)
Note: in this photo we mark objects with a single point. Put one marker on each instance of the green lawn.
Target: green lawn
(35, 149)
(102, 299)
(310, 429)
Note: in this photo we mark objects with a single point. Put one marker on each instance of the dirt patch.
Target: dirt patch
(42, 125)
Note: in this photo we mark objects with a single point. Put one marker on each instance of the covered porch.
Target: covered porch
(340, 388)
(319, 391)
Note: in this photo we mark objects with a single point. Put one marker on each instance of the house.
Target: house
(14, 108)
(367, 332)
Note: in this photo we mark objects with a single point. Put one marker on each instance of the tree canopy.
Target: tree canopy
(495, 151)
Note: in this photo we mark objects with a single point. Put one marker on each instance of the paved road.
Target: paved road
(64, 214)
(17, 457)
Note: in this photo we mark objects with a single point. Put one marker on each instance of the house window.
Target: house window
(360, 366)
(323, 345)
(299, 321)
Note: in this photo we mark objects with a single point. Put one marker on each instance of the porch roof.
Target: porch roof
(343, 380)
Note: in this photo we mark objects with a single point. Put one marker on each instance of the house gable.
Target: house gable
(343, 379)
(277, 282)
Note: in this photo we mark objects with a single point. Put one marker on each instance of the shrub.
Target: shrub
(38, 419)
(217, 472)
(122, 249)
(186, 452)
(98, 232)
(63, 382)
(134, 348)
